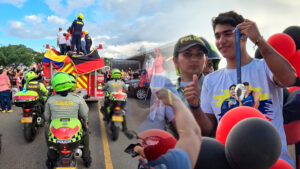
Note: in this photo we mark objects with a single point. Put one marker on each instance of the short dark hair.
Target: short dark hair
(246, 83)
(230, 18)
(63, 93)
(232, 86)
(60, 29)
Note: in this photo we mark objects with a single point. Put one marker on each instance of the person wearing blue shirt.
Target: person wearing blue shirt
(76, 30)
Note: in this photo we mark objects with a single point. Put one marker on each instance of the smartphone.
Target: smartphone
(130, 150)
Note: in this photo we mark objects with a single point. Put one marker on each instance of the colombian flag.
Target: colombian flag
(88, 63)
(52, 57)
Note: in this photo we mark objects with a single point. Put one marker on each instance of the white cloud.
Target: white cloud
(99, 37)
(59, 7)
(17, 3)
(33, 19)
(126, 50)
(16, 24)
(57, 20)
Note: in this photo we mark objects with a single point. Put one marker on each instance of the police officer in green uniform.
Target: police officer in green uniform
(57, 107)
(32, 84)
(112, 86)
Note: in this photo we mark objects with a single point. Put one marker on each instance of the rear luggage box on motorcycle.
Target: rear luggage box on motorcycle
(26, 98)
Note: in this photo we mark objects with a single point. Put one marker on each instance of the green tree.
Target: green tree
(19, 54)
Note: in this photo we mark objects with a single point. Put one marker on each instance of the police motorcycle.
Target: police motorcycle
(32, 112)
(64, 136)
(116, 112)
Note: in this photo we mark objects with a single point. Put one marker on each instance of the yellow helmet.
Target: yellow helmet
(86, 32)
(80, 16)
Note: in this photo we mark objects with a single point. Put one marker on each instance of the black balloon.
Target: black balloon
(258, 54)
(253, 143)
(294, 33)
(212, 155)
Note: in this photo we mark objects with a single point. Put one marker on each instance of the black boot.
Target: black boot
(87, 161)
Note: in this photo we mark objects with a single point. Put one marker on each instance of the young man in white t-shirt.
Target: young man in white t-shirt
(61, 42)
(265, 76)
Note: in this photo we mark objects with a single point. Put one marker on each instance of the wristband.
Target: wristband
(194, 107)
(170, 97)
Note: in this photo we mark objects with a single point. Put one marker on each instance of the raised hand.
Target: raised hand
(192, 92)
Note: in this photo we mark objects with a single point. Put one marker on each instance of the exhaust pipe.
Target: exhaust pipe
(39, 120)
(78, 152)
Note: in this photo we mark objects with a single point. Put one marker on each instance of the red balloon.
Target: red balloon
(292, 132)
(281, 164)
(291, 89)
(296, 62)
(232, 117)
(283, 44)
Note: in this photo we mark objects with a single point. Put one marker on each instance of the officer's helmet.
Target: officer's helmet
(74, 82)
(61, 81)
(212, 53)
(80, 16)
(115, 74)
(30, 76)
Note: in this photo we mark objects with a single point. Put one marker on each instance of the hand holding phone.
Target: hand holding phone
(130, 150)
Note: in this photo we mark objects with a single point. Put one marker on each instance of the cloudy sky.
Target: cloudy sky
(123, 26)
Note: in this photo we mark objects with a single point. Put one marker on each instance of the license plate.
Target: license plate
(64, 141)
(118, 118)
(26, 120)
(65, 168)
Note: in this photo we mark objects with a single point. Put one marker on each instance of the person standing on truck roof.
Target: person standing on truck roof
(68, 39)
(61, 42)
(76, 30)
(88, 42)
(82, 40)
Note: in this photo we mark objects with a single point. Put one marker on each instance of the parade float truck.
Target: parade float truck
(84, 68)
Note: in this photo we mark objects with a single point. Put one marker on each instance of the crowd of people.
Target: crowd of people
(12, 81)
(125, 74)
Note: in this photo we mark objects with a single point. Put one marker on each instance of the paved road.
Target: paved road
(107, 154)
